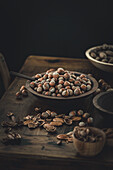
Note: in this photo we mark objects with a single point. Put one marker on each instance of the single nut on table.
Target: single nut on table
(80, 112)
(72, 113)
(56, 123)
(18, 95)
(24, 93)
(68, 121)
(53, 114)
(76, 119)
(58, 120)
(90, 120)
(51, 129)
(44, 115)
(81, 124)
(62, 137)
(86, 115)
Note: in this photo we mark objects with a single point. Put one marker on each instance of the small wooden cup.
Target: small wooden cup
(88, 148)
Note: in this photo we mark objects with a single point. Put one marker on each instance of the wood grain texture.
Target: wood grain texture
(4, 72)
(38, 148)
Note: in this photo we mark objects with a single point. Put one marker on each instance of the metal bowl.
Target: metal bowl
(108, 67)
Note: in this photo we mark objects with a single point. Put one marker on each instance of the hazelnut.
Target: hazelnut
(80, 112)
(83, 87)
(61, 90)
(18, 95)
(32, 84)
(55, 74)
(22, 88)
(66, 83)
(71, 80)
(58, 95)
(39, 85)
(52, 83)
(37, 76)
(65, 93)
(66, 75)
(61, 82)
(70, 92)
(67, 87)
(73, 87)
(81, 124)
(40, 79)
(45, 76)
(82, 76)
(52, 89)
(49, 112)
(109, 52)
(86, 115)
(50, 70)
(39, 89)
(59, 86)
(60, 70)
(46, 86)
(50, 75)
(72, 113)
(93, 55)
(88, 87)
(77, 83)
(44, 115)
(35, 88)
(53, 94)
(53, 114)
(24, 93)
(42, 82)
(102, 55)
(90, 120)
(48, 93)
(77, 92)
(37, 109)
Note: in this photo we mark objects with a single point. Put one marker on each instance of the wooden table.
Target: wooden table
(38, 149)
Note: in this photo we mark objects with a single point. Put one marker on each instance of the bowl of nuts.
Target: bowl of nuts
(62, 84)
(88, 141)
(101, 57)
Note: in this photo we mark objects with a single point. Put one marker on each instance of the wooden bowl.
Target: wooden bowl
(65, 104)
(94, 87)
(88, 148)
(108, 67)
(103, 103)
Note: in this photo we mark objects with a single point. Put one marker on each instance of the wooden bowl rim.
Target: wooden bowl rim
(94, 60)
(95, 102)
(93, 80)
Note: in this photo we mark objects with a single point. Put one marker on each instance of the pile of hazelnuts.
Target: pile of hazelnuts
(103, 54)
(61, 83)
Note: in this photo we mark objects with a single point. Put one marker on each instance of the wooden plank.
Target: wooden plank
(4, 72)
(38, 144)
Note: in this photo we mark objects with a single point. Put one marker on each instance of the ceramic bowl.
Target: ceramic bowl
(108, 67)
(87, 148)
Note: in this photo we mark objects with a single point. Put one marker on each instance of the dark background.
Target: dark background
(52, 28)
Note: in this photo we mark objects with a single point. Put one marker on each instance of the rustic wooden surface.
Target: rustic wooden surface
(38, 149)
(4, 72)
